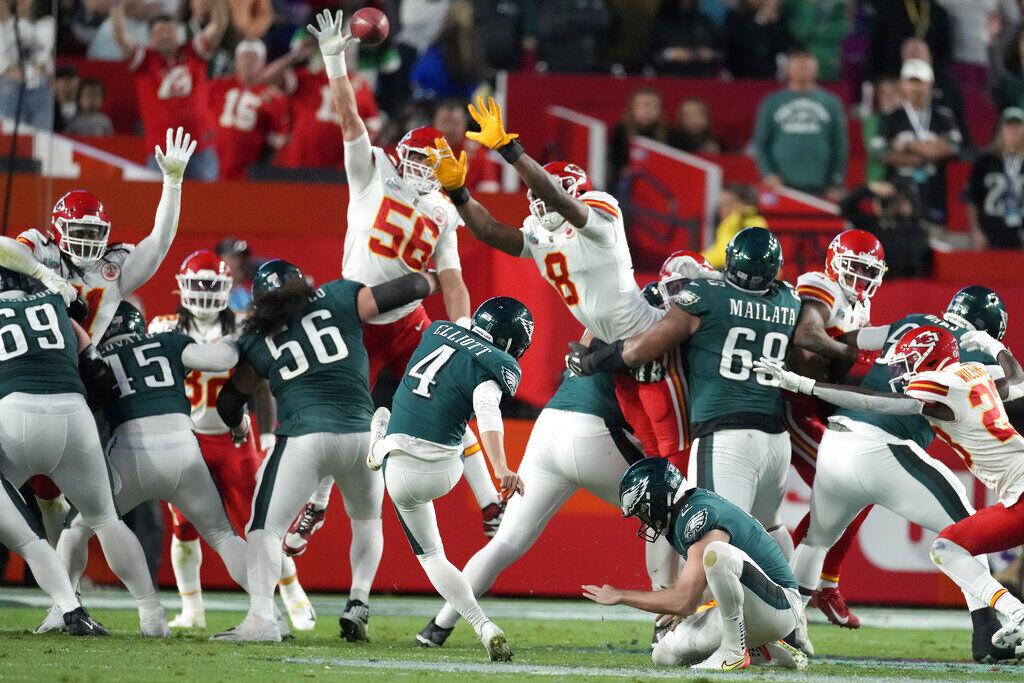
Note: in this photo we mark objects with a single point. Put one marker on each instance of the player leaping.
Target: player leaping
(398, 222)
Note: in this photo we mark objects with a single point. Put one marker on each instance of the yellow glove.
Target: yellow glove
(492, 131)
(449, 170)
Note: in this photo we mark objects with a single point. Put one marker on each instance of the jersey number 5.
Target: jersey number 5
(416, 251)
(557, 271)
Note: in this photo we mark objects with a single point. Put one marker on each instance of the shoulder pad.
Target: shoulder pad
(816, 286)
(931, 386)
(603, 201)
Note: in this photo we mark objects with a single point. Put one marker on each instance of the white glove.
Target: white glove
(332, 42)
(240, 432)
(55, 283)
(179, 149)
(788, 381)
(980, 340)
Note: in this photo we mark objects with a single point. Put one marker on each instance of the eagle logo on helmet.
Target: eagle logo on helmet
(634, 500)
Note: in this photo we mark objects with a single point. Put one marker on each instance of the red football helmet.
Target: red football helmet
(204, 283)
(856, 261)
(419, 173)
(678, 270)
(921, 350)
(574, 181)
(81, 226)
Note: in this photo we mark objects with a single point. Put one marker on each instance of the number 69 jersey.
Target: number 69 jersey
(38, 347)
(317, 365)
(980, 432)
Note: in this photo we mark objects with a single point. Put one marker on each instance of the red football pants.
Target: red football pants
(989, 530)
(658, 412)
(392, 345)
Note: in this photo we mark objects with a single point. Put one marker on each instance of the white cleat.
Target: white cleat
(252, 629)
(494, 640)
(300, 610)
(725, 660)
(153, 622)
(303, 617)
(378, 430)
(779, 654)
(54, 621)
(1010, 636)
(803, 641)
(282, 624)
(189, 620)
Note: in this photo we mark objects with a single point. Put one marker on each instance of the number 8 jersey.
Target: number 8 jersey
(317, 365)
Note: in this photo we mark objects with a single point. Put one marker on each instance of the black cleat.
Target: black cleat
(79, 623)
(986, 623)
(355, 621)
(433, 635)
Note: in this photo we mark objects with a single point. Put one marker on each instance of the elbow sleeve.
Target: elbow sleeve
(487, 406)
(401, 291)
(231, 404)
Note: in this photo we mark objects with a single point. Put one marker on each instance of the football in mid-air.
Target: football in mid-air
(369, 26)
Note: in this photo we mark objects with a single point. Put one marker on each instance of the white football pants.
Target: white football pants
(284, 483)
(55, 435)
(566, 452)
(161, 466)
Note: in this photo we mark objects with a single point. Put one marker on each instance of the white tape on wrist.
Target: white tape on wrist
(334, 66)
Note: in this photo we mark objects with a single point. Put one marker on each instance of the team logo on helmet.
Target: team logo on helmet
(110, 271)
(695, 525)
(634, 500)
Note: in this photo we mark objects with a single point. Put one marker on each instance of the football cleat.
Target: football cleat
(832, 603)
(378, 430)
(494, 640)
(189, 620)
(801, 640)
(779, 654)
(302, 529)
(984, 648)
(79, 623)
(54, 621)
(300, 609)
(723, 660)
(153, 622)
(433, 635)
(493, 514)
(252, 629)
(355, 621)
(1010, 635)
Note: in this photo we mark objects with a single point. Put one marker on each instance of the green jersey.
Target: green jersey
(736, 328)
(914, 428)
(703, 511)
(317, 366)
(591, 395)
(149, 376)
(38, 347)
(434, 400)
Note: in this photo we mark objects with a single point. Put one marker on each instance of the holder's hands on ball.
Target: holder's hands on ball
(173, 161)
(492, 131)
(451, 172)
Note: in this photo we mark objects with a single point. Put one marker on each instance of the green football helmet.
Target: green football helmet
(647, 491)
(753, 259)
(273, 275)
(505, 322)
(979, 308)
(126, 320)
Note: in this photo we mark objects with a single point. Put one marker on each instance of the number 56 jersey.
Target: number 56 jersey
(317, 365)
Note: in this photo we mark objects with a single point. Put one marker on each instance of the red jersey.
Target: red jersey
(244, 119)
(170, 91)
(316, 132)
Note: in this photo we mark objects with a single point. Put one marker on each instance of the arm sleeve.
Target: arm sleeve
(214, 357)
(890, 405)
(872, 338)
(359, 164)
(446, 251)
(486, 405)
(145, 258)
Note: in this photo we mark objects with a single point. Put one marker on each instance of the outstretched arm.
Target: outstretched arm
(810, 334)
(675, 328)
(372, 301)
(214, 30)
(233, 396)
(118, 29)
(982, 341)
(455, 293)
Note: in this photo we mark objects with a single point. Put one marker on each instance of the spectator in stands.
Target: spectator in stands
(946, 90)
(994, 194)
(917, 140)
(420, 23)
(90, 119)
(888, 98)
(969, 21)
(568, 32)
(800, 133)
(890, 212)
(692, 132)
(65, 96)
(821, 25)
(500, 25)
(754, 38)
(170, 79)
(1006, 70)
(250, 118)
(251, 18)
(484, 165)
(897, 20)
(737, 210)
(643, 117)
(684, 41)
(243, 267)
(453, 65)
(137, 17)
(25, 75)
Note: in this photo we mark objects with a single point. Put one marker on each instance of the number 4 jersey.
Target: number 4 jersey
(980, 431)
(38, 347)
(317, 365)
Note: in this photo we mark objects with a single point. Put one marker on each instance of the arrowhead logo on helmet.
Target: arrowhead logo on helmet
(924, 349)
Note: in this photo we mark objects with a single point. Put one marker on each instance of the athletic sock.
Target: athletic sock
(264, 564)
(322, 494)
(233, 552)
(73, 550)
(364, 555)
(127, 560)
(292, 592)
(49, 574)
(806, 564)
(474, 470)
(481, 571)
(454, 588)
(972, 576)
(830, 582)
(186, 559)
(723, 565)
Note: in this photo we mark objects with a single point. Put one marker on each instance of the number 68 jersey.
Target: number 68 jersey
(980, 432)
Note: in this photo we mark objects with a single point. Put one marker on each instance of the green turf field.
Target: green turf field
(561, 640)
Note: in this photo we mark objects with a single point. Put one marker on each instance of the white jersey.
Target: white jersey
(201, 388)
(980, 432)
(99, 283)
(393, 231)
(842, 315)
(592, 270)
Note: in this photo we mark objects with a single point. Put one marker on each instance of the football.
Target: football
(369, 26)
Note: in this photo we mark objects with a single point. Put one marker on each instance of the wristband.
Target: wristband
(459, 195)
(334, 66)
(511, 151)
(608, 358)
